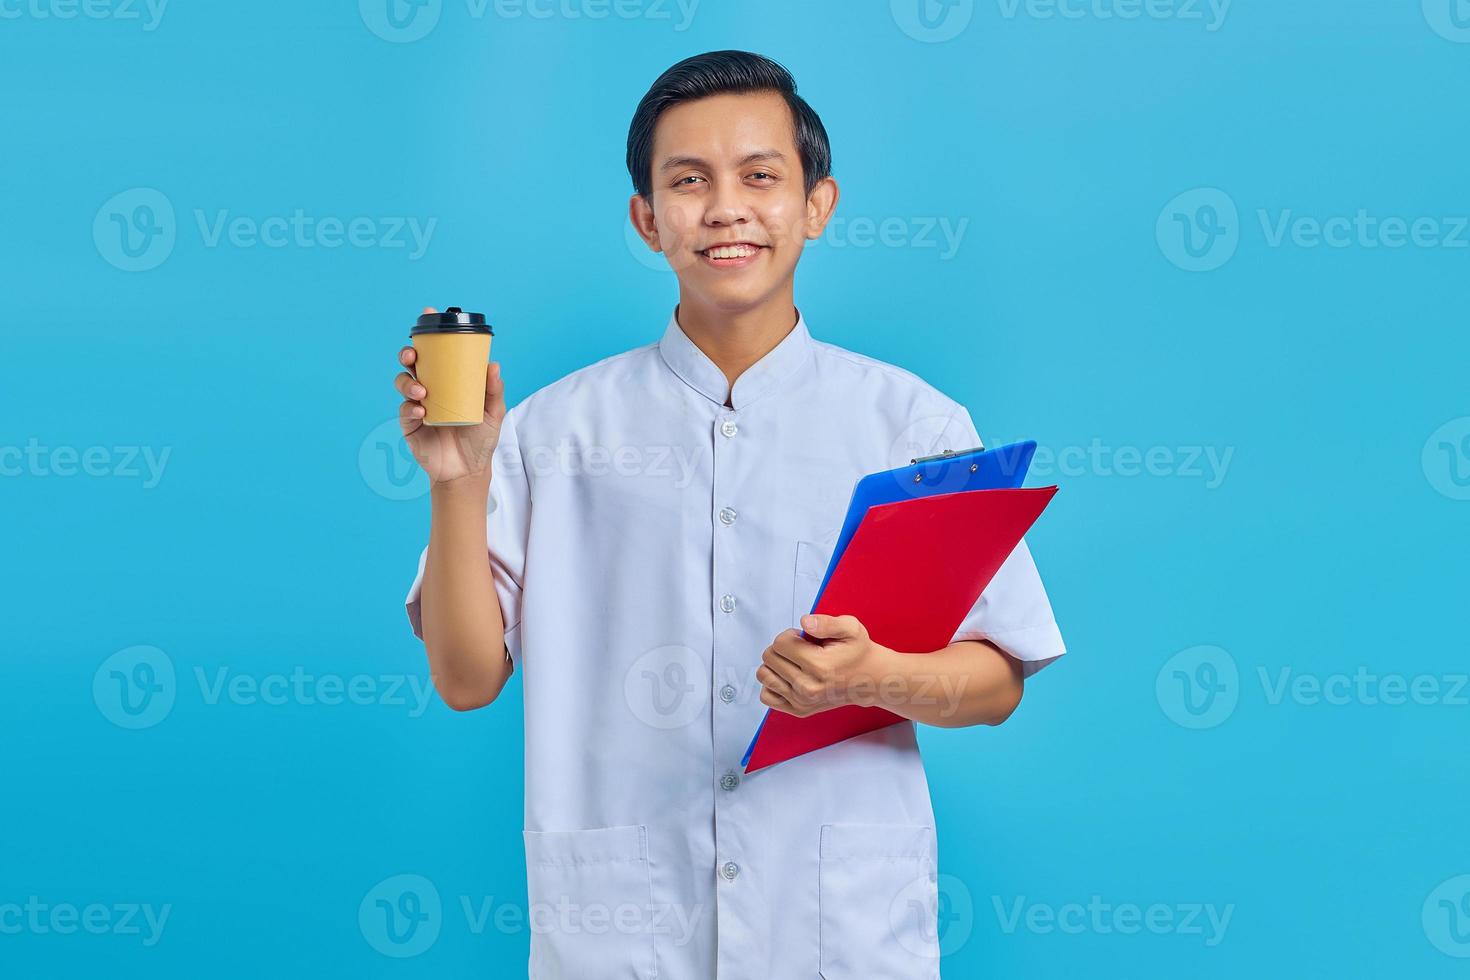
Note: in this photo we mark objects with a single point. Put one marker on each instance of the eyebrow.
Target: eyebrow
(759, 155)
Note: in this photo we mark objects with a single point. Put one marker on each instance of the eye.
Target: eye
(762, 173)
(681, 182)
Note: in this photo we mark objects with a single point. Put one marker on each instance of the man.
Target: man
(658, 522)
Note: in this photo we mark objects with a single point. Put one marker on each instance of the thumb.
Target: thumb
(494, 392)
(832, 627)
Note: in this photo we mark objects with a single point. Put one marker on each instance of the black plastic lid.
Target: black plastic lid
(452, 320)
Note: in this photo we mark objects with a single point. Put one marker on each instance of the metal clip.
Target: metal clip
(946, 455)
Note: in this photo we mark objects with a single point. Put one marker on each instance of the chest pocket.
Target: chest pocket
(811, 565)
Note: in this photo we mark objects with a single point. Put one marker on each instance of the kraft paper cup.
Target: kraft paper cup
(453, 354)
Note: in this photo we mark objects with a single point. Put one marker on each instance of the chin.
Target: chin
(733, 297)
(735, 301)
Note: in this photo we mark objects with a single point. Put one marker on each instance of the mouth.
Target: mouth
(734, 255)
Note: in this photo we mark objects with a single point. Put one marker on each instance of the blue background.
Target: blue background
(279, 538)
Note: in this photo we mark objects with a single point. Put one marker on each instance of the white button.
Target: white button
(727, 693)
(730, 869)
(729, 428)
(727, 517)
(729, 781)
(727, 603)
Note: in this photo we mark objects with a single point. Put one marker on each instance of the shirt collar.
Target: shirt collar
(695, 368)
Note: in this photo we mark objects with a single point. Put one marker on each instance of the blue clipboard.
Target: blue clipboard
(947, 472)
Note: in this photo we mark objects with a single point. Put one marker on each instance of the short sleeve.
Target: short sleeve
(1013, 612)
(507, 530)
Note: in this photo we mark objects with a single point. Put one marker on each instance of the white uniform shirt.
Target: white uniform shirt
(648, 543)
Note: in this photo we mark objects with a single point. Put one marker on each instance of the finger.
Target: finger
(773, 681)
(787, 668)
(430, 309)
(409, 387)
(772, 700)
(831, 627)
(410, 417)
(494, 393)
(797, 649)
(407, 355)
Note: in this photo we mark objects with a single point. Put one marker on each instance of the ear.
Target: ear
(820, 204)
(640, 212)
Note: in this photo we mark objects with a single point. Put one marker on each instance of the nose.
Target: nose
(727, 206)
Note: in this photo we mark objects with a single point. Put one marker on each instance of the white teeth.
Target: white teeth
(731, 251)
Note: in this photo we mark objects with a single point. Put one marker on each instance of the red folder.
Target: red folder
(911, 574)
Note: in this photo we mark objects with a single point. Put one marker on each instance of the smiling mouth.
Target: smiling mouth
(732, 256)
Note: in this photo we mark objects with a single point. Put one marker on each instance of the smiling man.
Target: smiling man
(652, 609)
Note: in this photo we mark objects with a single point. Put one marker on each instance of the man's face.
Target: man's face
(729, 209)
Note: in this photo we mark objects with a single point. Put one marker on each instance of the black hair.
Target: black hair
(718, 73)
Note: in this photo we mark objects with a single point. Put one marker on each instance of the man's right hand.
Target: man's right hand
(451, 452)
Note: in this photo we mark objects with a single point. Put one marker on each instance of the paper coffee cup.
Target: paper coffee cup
(453, 354)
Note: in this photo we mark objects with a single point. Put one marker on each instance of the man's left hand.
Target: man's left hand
(835, 664)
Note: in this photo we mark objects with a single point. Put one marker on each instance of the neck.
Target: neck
(735, 341)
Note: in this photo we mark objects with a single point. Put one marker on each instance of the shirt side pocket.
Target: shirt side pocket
(878, 892)
(590, 895)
